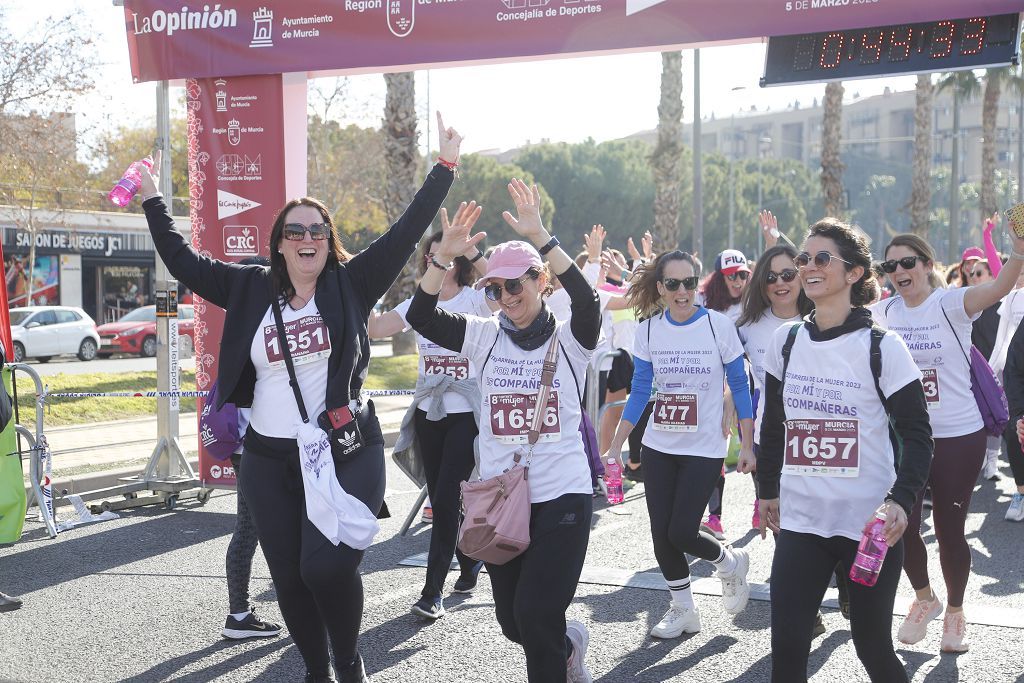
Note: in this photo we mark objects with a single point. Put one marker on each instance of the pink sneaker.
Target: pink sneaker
(713, 525)
(954, 632)
(755, 519)
(915, 626)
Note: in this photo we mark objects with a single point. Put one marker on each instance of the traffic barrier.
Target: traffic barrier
(370, 393)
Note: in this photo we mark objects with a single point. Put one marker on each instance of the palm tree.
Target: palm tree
(995, 79)
(963, 85)
(921, 192)
(667, 158)
(402, 157)
(831, 134)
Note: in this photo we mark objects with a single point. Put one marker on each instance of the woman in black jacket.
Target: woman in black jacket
(325, 296)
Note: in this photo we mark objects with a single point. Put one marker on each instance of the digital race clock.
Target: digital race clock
(945, 45)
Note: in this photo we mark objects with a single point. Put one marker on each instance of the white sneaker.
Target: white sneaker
(990, 470)
(1015, 513)
(915, 626)
(735, 589)
(677, 621)
(575, 669)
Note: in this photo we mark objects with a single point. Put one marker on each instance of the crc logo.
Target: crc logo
(241, 240)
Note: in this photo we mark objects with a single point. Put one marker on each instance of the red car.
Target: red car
(135, 332)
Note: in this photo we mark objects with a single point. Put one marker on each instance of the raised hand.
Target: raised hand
(991, 223)
(594, 242)
(150, 178)
(769, 228)
(647, 243)
(456, 239)
(632, 250)
(449, 141)
(527, 222)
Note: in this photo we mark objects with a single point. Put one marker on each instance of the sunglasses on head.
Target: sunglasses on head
(907, 262)
(821, 259)
(787, 275)
(672, 284)
(513, 286)
(297, 231)
(741, 274)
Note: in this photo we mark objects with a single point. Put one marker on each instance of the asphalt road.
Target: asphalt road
(142, 599)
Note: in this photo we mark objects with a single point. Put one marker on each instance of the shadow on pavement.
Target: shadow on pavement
(166, 671)
(643, 664)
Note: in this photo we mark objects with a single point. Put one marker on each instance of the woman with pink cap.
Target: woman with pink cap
(533, 590)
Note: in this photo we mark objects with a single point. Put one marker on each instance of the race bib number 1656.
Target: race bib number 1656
(512, 415)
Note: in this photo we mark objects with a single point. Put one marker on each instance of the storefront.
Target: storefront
(102, 262)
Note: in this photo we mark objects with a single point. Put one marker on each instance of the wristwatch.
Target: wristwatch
(552, 243)
(479, 255)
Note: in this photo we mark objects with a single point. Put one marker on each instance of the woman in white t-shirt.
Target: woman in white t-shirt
(936, 323)
(774, 297)
(827, 462)
(533, 590)
(686, 353)
(443, 419)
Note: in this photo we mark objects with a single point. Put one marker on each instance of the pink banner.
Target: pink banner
(236, 185)
(173, 39)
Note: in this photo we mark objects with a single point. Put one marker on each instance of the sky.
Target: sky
(494, 107)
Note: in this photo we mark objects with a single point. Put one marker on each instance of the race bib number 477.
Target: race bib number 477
(822, 448)
(511, 416)
(675, 412)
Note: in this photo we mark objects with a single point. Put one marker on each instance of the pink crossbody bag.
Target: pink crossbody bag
(496, 523)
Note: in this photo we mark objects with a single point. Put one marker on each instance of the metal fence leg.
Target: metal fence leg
(411, 517)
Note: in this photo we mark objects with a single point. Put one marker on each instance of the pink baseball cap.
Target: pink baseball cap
(972, 254)
(510, 260)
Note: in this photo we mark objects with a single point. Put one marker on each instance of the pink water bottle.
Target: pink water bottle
(129, 183)
(870, 553)
(613, 480)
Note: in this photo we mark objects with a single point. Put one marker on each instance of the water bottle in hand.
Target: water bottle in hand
(129, 183)
(870, 553)
(613, 480)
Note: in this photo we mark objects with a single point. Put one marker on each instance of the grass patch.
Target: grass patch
(384, 373)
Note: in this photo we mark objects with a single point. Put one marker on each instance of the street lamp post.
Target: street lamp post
(760, 191)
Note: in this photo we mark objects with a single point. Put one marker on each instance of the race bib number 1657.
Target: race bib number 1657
(822, 448)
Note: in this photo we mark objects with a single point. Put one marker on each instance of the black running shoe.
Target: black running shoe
(636, 475)
(428, 608)
(9, 603)
(249, 627)
(819, 627)
(467, 580)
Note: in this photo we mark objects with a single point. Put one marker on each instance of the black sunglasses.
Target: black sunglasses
(513, 286)
(296, 231)
(821, 259)
(787, 275)
(741, 274)
(672, 284)
(907, 262)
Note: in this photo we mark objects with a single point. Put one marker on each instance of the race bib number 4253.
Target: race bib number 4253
(456, 367)
(675, 412)
(822, 448)
(512, 415)
(307, 341)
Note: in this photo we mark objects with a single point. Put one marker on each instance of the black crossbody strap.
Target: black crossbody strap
(287, 352)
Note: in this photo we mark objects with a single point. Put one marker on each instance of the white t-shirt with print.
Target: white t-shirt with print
(436, 359)
(838, 463)
(755, 338)
(689, 375)
(943, 363)
(734, 312)
(274, 412)
(1013, 306)
(509, 381)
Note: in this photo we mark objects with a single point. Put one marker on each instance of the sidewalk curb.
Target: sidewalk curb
(92, 481)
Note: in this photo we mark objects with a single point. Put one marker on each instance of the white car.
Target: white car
(42, 332)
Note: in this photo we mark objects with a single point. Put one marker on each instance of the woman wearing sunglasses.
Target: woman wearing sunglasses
(722, 291)
(827, 400)
(937, 325)
(443, 417)
(686, 353)
(532, 591)
(325, 296)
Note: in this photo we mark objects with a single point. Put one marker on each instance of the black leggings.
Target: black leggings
(318, 586)
(801, 571)
(678, 487)
(532, 591)
(1014, 453)
(446, 447)
(637, 435)
(241, 549)
(954, 472)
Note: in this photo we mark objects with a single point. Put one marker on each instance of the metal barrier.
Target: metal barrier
(37, 444)
(593, 400)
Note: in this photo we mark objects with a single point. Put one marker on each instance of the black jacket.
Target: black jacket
(345, 294)
(906, 407)
(1013, 381)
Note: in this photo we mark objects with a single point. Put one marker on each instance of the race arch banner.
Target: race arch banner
(236, 158)
(173, 39)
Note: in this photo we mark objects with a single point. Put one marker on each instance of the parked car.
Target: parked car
(135, 332)
(42, 332)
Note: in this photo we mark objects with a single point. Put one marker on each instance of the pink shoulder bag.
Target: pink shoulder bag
(496, 523)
